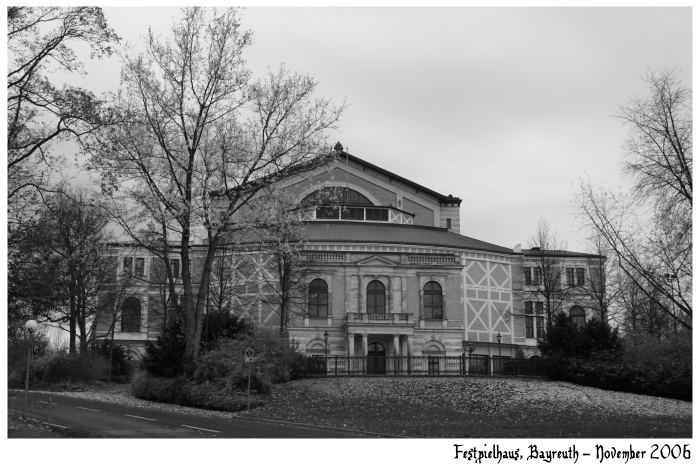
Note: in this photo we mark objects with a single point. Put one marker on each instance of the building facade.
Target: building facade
(388, 273)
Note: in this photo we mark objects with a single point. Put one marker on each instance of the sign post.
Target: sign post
(249, 359)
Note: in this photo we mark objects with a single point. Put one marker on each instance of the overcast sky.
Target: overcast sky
(506, 108)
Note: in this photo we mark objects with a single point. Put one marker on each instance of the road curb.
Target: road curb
(311, 425)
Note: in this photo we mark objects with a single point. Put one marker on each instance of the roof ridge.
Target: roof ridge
(440, 196)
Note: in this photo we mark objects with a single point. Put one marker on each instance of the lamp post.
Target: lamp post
(31, 326)
(466, 347)
(325, 339)
(499, 337)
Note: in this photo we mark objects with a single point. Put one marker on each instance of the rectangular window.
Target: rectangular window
(139, 267)
(377, 214)
(580, 276)
(527, 276)
(570, 277)
(175, 267)
(529, 329)
(538, 276)
(449, 223)
(539, 308)
(327, 212)
(128, 265)
(353, 214)
(528, 308)
(540, 326)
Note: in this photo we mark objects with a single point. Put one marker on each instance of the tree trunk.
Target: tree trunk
(72, 325)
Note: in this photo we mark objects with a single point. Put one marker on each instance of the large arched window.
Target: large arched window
(577, 315)
(334, 202)
(432, 300)
(376, 298)
(131, 315)
(318, 299)
(336, 196)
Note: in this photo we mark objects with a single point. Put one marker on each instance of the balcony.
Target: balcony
(383, 318)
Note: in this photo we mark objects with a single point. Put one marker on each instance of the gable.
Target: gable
(375, 260)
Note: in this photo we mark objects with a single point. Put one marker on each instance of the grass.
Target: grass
(477, 407)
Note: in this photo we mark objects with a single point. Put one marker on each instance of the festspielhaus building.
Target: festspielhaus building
(388, 272)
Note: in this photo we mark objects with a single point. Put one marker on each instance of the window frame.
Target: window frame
(579, 319)
(534, 319)
(433, 310)
(317, 305)
(373, 296)
(570, 277)
(131, 318)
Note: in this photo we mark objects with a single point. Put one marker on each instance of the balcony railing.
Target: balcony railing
(377, 317)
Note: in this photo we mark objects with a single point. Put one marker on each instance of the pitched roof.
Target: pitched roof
(561, 253)
(442, 198)
(367, 232)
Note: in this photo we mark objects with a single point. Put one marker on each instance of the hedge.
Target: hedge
(206, 395)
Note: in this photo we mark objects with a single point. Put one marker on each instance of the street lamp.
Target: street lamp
(325, 339)
(499, 337)
(31, 326)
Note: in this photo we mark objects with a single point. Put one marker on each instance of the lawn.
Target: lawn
(478, 408)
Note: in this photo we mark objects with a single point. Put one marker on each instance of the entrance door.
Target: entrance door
(376, 359)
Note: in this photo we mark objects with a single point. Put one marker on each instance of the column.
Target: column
(409, 344)
(397, 354)
(351, 345)
(364, 345)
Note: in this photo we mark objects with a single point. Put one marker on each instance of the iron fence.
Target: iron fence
(426, 365)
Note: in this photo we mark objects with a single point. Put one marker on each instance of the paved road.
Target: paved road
(111, 420)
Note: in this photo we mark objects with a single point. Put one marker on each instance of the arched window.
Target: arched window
(318, 299)
(336, 196)
(432, 300)
(577, 315)
(343, 203)
(131, 315)
(376, 298)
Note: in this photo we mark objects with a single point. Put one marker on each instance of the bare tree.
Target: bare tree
(660, 149)
(648, 256)
(545, 253)
(278, 228)
(39, 42)
(194, 123)
(64, 267)
(650, 231)
(597, 289)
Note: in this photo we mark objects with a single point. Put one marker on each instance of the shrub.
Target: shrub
(121, 361)
(157, 389)
(166, 357)
(565, 339)
(224, 325)
(62, 368)
(205, 395)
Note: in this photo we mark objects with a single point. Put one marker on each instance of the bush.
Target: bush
(66, 369)
(121, 361)
(157, 389)
(224, 325)
(205, 395)
(646, 366)
(166, 357)
(565, 339)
